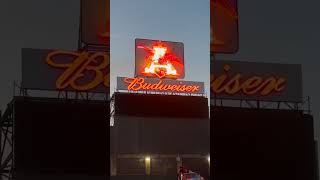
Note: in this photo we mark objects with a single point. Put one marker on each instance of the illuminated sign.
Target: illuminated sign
(159, 59)
(82, 64)
(256, 81)
(251, 85)
(159, 85)
(95, 22)
(158, 65)
(65, 70)
(224, 26)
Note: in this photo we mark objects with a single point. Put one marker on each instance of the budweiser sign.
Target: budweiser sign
(82, 64)
(65, 70)
(256, 81)
(159, 85)
(251, 85)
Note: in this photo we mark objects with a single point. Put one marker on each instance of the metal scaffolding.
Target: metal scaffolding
(6, 145)
(304, 106)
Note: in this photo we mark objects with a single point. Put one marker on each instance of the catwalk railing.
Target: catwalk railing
(18, 90)
(304, 106)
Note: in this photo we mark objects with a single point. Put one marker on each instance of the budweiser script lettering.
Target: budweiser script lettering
(139, 84)
(248, 86)
(82, 62)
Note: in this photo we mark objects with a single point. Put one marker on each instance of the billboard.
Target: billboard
(65, 70)
(95, 22)
(161, 59)
(159, 85)
(224, 26)
(256, 81)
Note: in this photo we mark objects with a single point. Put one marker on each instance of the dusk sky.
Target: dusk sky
(169, 20)
(270, 31)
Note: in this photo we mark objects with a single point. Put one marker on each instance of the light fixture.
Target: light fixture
(147, 162)
(147, 158)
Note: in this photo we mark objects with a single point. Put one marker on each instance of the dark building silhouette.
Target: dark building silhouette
(262, 144)
(60, 139)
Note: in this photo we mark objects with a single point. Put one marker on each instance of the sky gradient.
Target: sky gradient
(179, 21)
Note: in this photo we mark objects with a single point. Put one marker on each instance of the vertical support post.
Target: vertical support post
(77, 95)
(113, 164)
(179, 163)
(1, 122)
(213, 74)
(208, 159)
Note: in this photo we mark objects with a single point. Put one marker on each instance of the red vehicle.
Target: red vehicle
(186, 174)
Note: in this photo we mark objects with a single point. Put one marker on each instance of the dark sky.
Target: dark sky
(283, 31)
(51, 24)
